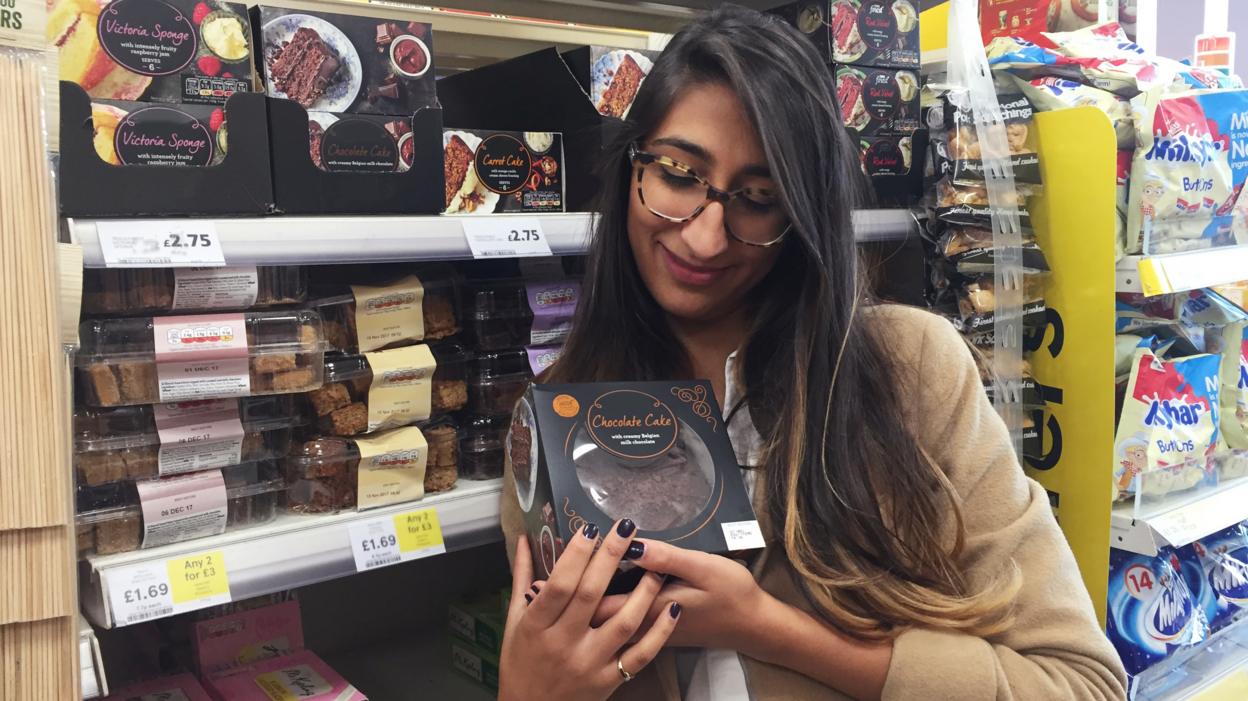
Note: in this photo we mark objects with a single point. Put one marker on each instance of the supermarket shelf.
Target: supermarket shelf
(90, 663)
(296, 551)
(1180, 519)
(377, 239)
(1179, 272)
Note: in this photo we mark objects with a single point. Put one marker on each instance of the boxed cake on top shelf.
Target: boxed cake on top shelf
(610, 76)
(883, 33)
(339, 63)
(178, 51)
(501, 171)
(654, 452)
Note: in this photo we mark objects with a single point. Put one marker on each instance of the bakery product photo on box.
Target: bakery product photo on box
(653, 452)
(345, 63)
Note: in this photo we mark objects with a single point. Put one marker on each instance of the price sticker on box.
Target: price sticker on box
(159, 244)
(152, 590)
(506, 237)
(389, 540)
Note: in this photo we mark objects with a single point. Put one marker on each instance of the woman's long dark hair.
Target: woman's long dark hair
(863, 513)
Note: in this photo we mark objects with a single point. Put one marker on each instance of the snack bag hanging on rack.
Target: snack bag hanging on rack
(971, 251)
(966, 151)
(1215, 568)
(1189, 169)
(1168, 426)
(1152, 613)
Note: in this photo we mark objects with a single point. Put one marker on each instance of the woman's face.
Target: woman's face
(695, 270)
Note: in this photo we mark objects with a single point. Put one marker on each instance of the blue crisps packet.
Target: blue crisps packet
(1221, 563)
(1152, 613)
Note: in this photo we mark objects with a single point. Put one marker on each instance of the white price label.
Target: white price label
(743, 535)
(159, 244)
(506, 237)
(389, 540)
(152, 590)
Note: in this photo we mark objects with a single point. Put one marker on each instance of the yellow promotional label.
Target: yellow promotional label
(1073, 353)
(386, 315)
(1153, 279)
(23, 24)
(293, 684)
(402, 388)
(198, 577)
(392, 467)
(419, 530)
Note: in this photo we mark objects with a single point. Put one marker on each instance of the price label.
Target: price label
(154, 590)
(506, 237)
(159, 244)
(389, 540)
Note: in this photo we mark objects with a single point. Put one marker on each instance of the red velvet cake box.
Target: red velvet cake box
(881, 33)
(345, 63)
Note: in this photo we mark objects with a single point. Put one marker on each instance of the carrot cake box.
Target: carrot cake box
(654, 452)
(611, 76)
(346, 63)
(502, 171)
(179, 51)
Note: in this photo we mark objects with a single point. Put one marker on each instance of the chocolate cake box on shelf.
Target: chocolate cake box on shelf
(345, 63)
(882, 33)
(610, 76)
(180, 51)
(360, 143)
(654, 452)
(502, 171)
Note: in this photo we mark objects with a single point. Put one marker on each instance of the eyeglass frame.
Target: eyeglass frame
(637, 157)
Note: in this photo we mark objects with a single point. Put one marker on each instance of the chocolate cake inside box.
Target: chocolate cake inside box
(654, 452)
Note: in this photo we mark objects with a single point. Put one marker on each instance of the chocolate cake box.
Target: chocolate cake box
(502, 171)
(880, 33)
(337, 63)
(877, 100)
(179, 51)
(654, 452)
(610, 76)
(360, 143)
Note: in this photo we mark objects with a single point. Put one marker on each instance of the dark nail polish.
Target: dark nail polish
(590, 531)
(635, 550)
(528, 599)
(674, 609)
(535, 590)
(626, 528)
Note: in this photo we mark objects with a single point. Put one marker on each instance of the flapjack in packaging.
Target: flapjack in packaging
(654, 452)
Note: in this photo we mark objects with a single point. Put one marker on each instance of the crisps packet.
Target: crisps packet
(977, 301)
(966, 151)
(1219, 580)
(971, 251)
(968, 206)
(1152, 612)
(1168, 427)
(1188, 171)
(1055, 93)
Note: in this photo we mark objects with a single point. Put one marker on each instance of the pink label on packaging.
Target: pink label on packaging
(298, 676)
(182, 508)
(247, 636)
(542, 357)
(201, 356)
(553, 305)
(198, 436)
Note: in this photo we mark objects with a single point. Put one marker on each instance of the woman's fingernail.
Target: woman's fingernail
(528, 599)
(626, 528)
(590, 531)
(674, 609)
(635, 550)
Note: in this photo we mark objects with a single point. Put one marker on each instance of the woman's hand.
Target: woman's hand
(722, 606)
(549, 649)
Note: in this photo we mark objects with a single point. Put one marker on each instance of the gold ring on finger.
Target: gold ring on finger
(619, 664)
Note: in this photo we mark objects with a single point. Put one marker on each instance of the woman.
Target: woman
(907, 555)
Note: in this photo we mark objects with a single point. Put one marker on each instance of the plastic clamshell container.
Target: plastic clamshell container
(119, 363)
(496, 380)
(109, 517)
(440, 314)
(511, 313)
(121, 443)
(145, 291)
(322, 474)
(340, 406)
(481, 447)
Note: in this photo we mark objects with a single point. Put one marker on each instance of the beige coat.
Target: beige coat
(1055, 650)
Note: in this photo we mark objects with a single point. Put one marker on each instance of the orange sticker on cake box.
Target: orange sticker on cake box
(566, 406)
(202, 356)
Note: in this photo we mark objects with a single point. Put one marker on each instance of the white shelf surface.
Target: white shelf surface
(1180, 272)
(298, 550)
(281, 240)
(1179, 519)
(90, 664)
